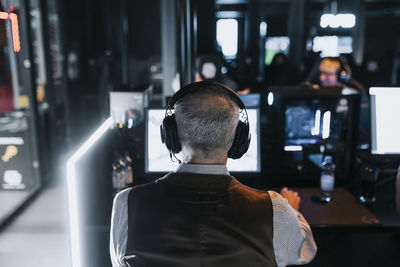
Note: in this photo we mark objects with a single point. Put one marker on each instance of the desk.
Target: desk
(347, 233)
(343, 211)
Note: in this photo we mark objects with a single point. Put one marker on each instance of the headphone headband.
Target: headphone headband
(169, 130)
(198, 86)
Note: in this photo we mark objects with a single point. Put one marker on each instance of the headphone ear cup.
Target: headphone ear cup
(169, 134)
(344, 72)
(241, 141)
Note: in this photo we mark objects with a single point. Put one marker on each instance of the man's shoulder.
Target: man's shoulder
(124, 194)
(149, 183)
(246, 188)
(277, 200)
(250, 193)
(121, 198)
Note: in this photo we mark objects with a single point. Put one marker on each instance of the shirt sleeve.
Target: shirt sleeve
(293, 239)
(119, 228)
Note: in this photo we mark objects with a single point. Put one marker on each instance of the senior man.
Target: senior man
(200, 215)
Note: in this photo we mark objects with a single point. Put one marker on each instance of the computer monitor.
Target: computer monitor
(309, 122)
(303, 126)
(385, 127)
(158, 159)
(251, 100)
(332, 46)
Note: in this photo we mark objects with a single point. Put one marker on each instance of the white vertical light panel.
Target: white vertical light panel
(73, 206)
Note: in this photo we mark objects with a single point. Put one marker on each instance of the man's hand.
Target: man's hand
(292, 197)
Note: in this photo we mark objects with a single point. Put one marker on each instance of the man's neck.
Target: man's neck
(206, 162)
(191, 156)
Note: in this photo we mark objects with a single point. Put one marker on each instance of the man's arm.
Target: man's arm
(119, 228)
(293, 239)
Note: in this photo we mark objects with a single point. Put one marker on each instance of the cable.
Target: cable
(170, 155)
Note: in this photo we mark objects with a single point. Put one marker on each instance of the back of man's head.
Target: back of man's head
(206, 120)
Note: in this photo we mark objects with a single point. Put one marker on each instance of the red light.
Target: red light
(11, 9)
(15, 32)
(14, 28)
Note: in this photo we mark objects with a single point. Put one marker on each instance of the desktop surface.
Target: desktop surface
(343, 211)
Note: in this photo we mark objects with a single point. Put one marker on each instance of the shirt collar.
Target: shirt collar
(202, 169)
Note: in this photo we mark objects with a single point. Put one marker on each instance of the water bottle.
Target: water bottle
(327, 182)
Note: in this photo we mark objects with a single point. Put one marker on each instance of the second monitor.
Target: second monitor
(158, 158)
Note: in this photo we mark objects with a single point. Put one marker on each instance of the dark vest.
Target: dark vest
(190, 220)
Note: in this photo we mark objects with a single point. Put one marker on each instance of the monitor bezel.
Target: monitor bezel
(373, 139)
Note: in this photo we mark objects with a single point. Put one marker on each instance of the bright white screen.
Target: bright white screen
(158, 158)
(227, 36)
(385, 122)
(333, 46)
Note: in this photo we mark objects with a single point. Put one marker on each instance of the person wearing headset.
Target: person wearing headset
(199, 214)
(334, 71)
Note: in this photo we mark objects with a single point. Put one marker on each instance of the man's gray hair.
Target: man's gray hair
(207, 120)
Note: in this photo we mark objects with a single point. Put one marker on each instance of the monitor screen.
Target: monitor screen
(251, 100)
(312, 121)
(158, 158)
(385, 126)
(275, 45)
(332, 46)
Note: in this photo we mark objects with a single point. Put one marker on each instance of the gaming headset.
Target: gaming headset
(169, 130)
(344, 71)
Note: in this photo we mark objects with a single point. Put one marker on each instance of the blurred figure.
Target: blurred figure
(334, 71)
(281, 71)
(329, 72)
(208, 68)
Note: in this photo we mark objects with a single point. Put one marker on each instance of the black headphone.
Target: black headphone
(169, 130)
(344, 71)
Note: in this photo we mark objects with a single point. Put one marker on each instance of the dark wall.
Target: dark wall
(381, 44)
(276, 16)
(206, 29)
(144, 28)
(85, 26)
